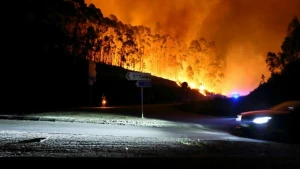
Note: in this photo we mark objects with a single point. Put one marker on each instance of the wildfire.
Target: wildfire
(202, 89)
(176, 63)
(161, 53)
(242, 47)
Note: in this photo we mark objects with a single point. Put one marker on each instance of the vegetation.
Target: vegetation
(48, 47)
(49, 44)
(283, 85)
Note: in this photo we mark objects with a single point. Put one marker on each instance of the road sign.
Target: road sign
(138, 76)
(143, 84)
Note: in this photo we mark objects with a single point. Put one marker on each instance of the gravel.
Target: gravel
(96, 118)
(25, 144)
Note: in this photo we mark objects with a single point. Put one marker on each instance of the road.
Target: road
(190, 131)
(23, 138)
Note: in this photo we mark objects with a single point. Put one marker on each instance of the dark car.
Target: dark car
(282, 119)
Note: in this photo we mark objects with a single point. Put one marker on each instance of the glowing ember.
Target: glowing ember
(202, 90)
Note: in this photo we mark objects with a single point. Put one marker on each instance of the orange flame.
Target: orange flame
(244, 45)
(202, 90)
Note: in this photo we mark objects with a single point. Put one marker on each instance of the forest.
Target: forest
(49, 43)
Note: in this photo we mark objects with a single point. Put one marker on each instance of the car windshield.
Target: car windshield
(287, 106)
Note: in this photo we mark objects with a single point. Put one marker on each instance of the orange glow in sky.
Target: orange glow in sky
(243, 30)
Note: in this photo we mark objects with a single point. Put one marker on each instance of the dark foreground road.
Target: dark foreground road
(185, 145)
(209, 162)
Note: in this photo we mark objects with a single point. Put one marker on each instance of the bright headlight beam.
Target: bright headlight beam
(261, 120)
(239, 118)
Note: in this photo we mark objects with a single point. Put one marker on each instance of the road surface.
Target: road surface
(20, 138)
(186, 130)
(206, 140)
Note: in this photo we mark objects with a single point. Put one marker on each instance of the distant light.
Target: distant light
(235, 95)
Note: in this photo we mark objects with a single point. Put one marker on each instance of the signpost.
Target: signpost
(143, 80)
(143, 84)
(91, 84)
(91, 78)
(138, 76)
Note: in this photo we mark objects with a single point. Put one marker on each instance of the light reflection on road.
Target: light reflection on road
(188, 131)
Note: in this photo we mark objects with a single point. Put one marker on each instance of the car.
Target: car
(279, 120)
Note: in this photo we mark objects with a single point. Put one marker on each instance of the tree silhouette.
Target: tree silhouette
(81, 32)
(290, 49)
(263, 80)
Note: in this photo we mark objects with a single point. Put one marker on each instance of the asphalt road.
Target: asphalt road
(188, 144)
(209, 145)
(190, 131)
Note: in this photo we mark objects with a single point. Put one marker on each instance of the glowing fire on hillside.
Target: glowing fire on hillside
(201, 88)
(244, 32)
(197, 63)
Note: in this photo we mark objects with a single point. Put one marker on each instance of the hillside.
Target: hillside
(279, 88)
(111, 81)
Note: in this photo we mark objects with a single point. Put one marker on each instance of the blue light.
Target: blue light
(235, 95)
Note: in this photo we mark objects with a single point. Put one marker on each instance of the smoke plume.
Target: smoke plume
(244, 30)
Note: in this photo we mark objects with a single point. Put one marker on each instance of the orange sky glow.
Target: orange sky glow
(243, 30)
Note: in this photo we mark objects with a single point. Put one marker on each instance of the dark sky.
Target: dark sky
(244, 30)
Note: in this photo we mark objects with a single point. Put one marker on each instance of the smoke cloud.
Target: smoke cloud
(244, 30)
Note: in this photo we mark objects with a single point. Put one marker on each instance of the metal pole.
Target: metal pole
(142, 102)
(91, 95)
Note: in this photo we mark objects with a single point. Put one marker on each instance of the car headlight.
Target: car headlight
(239, 118)
(261, 120)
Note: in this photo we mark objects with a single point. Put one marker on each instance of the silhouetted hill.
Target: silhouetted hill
(111, 81)
(279, 88)
(50, 87)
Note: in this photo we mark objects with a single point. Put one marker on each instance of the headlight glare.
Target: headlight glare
(239, 118)
(261, 120)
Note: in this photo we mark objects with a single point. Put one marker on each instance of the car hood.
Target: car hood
(262, 112)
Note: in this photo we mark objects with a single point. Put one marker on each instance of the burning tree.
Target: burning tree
(90, 35)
